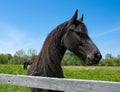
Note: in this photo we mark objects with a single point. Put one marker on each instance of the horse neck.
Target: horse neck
(53, 50)
(48, 62)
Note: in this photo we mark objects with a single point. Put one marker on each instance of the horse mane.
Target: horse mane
(51, 54)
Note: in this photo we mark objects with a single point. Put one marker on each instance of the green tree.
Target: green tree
(19, 56)
(14, 60)
(108, 56)
(118, 55)
(70, 59)
(3, 58)
(32, 53)
(9, 56)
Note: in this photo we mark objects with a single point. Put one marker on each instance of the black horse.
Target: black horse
(27, 62)
(71, 35)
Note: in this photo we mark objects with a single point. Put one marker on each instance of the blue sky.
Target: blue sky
(24, 24)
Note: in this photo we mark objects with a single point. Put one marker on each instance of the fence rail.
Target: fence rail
(67, 85)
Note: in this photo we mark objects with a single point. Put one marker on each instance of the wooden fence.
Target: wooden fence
(67, 85)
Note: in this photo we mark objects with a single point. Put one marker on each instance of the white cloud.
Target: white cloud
(106, 32)
(10, 38)
(8, 31)
(13, 39)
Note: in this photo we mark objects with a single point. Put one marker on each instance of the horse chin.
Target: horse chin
(91, 62)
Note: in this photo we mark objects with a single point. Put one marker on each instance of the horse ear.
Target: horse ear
(81, 19)
(73, 19)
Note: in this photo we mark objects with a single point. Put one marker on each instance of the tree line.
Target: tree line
(109, 60)
(69, 59)
(18, 57)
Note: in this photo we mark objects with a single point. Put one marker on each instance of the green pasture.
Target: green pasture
(72, 72)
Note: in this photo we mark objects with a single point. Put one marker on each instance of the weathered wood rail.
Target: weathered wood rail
(67, 85)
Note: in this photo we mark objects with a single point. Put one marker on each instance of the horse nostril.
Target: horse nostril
(97, 55)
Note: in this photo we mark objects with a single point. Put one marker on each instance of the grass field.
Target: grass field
(73, 72)
(93, 73)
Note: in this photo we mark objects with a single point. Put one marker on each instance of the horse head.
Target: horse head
(77, 40)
